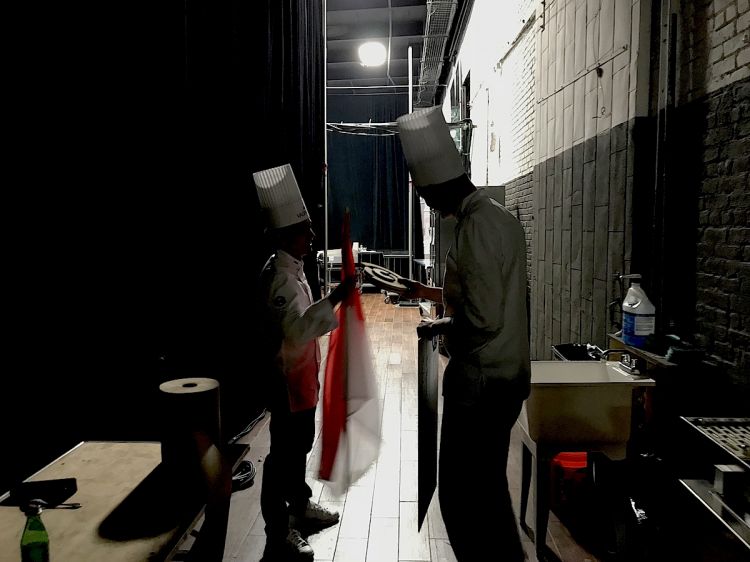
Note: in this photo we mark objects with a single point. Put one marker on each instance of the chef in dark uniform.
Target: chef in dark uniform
(488, 375)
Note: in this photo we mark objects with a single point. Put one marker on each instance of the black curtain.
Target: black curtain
(136, 236)
(368, 175)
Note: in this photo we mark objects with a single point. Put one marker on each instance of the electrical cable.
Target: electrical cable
(248, 428)
(244, 476)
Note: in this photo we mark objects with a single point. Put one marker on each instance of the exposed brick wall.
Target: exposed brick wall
(715, 37)
(723, 250)
(502, 96)
(713, 85)
(519, 199)
(524, 8)
(517, 83)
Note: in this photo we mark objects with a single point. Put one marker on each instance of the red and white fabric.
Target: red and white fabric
(351, 409)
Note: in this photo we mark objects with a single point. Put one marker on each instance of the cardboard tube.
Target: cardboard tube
(191, 417)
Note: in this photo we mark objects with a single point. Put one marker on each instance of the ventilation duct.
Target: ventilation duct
(440, 15)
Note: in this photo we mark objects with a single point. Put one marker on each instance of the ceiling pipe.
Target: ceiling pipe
(410, 183)
(454, 44)
(390, 35)
(365, 87)
(326, 272)
(438, 25)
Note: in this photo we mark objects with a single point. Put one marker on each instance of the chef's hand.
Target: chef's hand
(417, 290)
(413, 288)
(343, 290)
(428, 329)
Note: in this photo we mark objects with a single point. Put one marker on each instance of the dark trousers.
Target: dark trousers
(284, 490)
(473, 486)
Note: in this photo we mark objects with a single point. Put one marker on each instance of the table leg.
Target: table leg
(541, 513)
(525, 484)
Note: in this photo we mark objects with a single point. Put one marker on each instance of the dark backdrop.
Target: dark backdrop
(133, 230)
(368, 174)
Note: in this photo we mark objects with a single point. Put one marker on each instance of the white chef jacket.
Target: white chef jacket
(302, 321)
(485, 293)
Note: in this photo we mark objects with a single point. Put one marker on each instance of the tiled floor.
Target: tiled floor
(379, 513)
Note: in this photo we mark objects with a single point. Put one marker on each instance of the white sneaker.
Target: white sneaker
(294, 548)
(316, 515)
(298, 546)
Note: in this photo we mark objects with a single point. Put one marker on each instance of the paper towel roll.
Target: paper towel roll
(191, 416)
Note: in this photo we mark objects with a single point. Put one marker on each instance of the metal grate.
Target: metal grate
(732, 434)
(437, 27)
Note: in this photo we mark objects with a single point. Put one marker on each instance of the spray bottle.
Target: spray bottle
(34, 539)
(638, 314)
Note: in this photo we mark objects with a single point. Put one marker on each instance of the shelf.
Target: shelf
(732, 520)
(731, 434)
(651, 358)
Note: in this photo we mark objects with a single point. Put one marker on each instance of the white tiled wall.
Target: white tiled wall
(588, 68)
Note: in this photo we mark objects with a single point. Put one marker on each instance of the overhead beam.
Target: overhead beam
(359, 31)
(355, 41)
(403, 13)
(336, 5)
(399, 67)
(398, 52)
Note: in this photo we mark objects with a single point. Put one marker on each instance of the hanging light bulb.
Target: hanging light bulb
(372, 54)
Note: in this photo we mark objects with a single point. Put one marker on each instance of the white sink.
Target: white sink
(584, 404)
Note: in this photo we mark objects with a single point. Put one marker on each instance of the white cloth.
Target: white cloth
(359, 444)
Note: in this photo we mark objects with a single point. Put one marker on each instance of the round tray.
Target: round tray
(384, 278)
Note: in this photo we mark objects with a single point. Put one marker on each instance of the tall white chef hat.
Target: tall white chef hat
(280, 197)
(429, 148)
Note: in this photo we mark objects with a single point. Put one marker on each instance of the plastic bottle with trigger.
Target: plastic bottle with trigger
(34, 539)
(638, 314)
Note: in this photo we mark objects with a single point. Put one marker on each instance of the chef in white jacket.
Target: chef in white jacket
(292, 322)
(485, 330)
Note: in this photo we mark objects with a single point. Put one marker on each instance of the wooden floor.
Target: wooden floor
(379, 514)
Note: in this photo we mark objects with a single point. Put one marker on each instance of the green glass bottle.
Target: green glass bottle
(34, 540)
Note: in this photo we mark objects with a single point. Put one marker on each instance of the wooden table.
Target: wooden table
(130, 511)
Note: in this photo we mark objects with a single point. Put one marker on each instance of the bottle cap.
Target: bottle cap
(33, 507)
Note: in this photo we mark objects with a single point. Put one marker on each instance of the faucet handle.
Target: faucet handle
(594, 351)
(632, 365)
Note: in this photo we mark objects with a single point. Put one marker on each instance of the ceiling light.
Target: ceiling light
(372, 54)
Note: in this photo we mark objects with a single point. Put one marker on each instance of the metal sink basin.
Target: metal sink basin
(586, 405)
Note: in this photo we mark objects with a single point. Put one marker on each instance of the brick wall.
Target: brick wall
(519, 199)
(715, 51)
(714, 95)
(500, 53)
(514, 109)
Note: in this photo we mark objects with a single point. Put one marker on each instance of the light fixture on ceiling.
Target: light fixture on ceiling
(372, 53)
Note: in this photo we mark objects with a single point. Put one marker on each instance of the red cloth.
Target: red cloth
(351, 415)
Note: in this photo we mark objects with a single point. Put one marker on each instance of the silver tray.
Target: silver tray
(731, 434)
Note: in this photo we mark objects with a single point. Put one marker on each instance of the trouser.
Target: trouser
(473, 485)
(284, 490)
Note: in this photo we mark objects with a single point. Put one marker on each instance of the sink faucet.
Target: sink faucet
(598, 353)
(630, 364)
